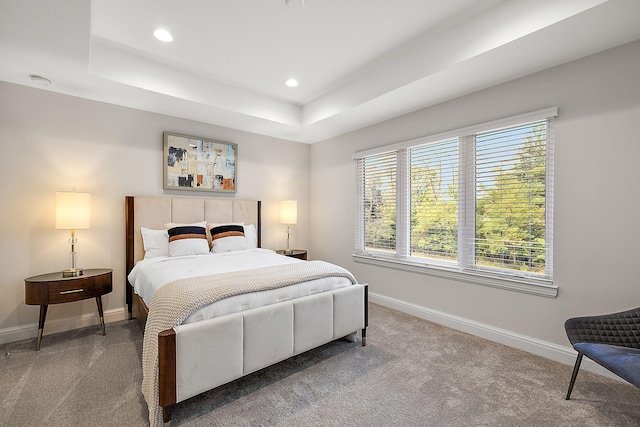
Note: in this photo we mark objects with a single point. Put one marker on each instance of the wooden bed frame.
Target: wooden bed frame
(346, 309)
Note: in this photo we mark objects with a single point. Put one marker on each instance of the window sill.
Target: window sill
(527, 286)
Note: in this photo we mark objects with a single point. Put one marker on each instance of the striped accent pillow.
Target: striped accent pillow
(227, 230)
(226, 238)
(187, 240)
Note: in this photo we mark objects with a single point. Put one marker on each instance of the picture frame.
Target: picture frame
(199, 164)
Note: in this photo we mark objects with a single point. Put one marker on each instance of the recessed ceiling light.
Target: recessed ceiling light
(291, 82)
(42, 81)
(163, 35)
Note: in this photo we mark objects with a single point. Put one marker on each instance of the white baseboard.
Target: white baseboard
(24, 332)
(558, 353)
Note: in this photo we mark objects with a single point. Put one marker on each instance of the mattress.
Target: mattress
(149, 275)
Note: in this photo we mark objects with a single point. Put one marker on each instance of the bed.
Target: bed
(204, 338)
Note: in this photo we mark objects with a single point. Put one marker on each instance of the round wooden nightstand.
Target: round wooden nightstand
(53, 288)
(294, 253)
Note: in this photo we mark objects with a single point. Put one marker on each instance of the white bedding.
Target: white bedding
(150, 274)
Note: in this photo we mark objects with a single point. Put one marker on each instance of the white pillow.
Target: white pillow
(228, 237)
(251, 235)
(189, 239)
(212, 225)
(155, 242)
(233, 243)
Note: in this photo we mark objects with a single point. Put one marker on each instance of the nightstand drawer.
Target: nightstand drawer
(70, 290)
(102, 284)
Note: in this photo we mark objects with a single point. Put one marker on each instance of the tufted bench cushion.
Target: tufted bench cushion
(622, 361)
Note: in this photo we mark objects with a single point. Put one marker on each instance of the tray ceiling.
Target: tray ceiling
(358, 62)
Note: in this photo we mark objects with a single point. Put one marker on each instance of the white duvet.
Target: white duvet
(150, 274)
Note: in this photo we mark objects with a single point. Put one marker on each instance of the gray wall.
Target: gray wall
(52, 142)
(597, 200)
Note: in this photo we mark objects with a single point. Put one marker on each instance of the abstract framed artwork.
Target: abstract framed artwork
(199, 164)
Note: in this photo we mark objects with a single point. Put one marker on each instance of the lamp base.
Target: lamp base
(72, 273)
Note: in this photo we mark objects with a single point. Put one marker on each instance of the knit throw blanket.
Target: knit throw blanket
(175, 301)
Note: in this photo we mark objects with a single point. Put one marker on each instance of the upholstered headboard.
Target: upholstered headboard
(156, 211)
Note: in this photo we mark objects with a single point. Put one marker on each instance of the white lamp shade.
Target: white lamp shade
(288, 212)
(73, 210)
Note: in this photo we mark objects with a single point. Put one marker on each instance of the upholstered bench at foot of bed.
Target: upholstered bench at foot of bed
(213, 352)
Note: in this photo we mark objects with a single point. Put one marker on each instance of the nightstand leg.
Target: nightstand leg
(43, 315)
(99, 302)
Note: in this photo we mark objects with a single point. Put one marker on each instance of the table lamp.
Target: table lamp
(73, 212)
(288, 216)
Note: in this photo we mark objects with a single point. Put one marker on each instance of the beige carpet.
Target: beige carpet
(412, 373)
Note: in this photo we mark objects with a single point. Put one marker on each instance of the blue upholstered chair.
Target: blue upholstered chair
(611, 340)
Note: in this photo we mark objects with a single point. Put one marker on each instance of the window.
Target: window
(379, 207)
(477, 201)
(433, 201)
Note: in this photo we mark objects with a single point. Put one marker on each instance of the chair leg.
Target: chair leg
(576, 368)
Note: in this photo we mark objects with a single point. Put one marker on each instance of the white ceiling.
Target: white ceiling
(358, 61)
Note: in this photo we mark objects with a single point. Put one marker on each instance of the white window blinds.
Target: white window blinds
(377, 199)
(511, 204)
(434, 201)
